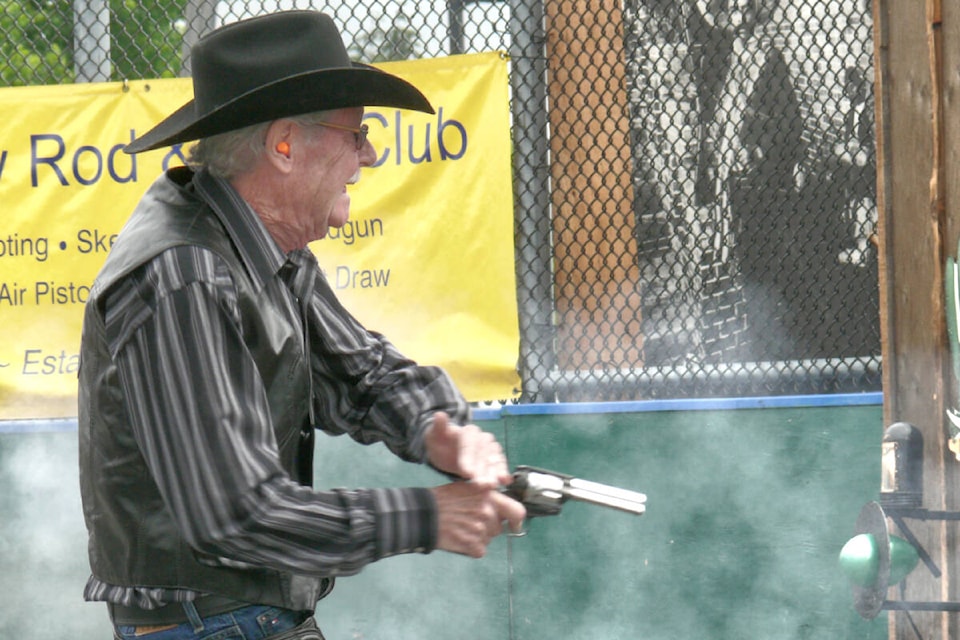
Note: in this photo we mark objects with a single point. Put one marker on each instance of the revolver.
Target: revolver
(543, 493)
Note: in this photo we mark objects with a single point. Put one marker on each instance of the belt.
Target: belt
(172, 613)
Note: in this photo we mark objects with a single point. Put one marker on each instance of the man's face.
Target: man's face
(331, 162)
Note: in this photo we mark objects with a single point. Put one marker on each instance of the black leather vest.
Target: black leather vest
(132, 538)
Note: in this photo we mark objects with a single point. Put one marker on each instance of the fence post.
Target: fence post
(455, 25)
(91, 40)
(597, 288)
(532, 196)
(917, 48)
(201, 18)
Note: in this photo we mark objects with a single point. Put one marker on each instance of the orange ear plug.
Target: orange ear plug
(284, 148)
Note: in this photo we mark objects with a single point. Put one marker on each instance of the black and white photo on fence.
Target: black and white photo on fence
(753, 138)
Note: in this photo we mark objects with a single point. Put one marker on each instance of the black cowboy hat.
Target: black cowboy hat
(274, 66)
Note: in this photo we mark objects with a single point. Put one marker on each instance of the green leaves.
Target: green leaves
(37, 40)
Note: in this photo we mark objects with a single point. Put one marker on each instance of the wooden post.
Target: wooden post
(947, 32)
(596, 269)
(918, 148)
(949, 175)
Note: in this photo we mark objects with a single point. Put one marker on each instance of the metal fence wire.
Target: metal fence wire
(694, 179)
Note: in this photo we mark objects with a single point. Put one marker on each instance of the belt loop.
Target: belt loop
(193, 616)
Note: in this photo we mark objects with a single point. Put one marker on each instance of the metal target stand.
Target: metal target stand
(872, 599)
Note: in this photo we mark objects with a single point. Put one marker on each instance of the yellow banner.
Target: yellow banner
(427, 257)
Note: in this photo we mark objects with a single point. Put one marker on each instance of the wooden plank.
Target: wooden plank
(911, 207)
(949, 45)
(597, 295)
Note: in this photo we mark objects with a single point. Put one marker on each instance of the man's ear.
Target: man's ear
(279, 146)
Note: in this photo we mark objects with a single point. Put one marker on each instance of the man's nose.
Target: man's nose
(367, 154)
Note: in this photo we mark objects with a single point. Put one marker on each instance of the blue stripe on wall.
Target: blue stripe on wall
(693, 404)
(572, 408)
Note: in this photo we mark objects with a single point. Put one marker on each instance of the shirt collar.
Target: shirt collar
(258, 250)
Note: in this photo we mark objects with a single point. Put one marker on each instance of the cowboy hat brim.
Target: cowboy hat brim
(334, 88)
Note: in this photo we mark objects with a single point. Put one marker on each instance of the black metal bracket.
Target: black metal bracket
(898, 515)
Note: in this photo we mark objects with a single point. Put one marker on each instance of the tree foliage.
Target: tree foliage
(37, 40)
(395, 41)
(144, 39)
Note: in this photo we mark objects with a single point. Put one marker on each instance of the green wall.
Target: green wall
(747, 511)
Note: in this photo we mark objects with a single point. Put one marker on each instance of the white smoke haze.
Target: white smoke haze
(415, 597)
(747, 511)
(44, 563)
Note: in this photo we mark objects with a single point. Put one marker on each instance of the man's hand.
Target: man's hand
(466, 452)
(470, 516)
(470, 513)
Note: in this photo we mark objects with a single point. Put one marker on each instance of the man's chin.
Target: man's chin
(336, 221)
(341, 214)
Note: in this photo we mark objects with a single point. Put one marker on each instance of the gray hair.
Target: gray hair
(228, 155)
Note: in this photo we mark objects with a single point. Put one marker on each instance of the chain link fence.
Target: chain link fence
(694, 179)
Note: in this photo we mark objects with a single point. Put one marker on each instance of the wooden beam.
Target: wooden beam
(917, 137)
(948, 47)
(596, 271)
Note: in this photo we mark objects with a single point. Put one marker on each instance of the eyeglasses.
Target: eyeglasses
(359, 135)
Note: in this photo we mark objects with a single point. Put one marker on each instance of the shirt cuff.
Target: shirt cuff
(406, 521)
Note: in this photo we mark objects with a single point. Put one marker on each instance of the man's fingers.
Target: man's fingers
(441, 424)
(488, 465)
(470, 517)
(510, 511)
(467, 452)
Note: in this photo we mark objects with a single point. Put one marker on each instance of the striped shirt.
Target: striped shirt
(174, 331)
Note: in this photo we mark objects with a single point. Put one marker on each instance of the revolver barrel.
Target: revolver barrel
(606, 496)
(544, 492)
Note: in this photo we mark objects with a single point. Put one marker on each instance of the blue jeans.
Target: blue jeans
(255, 622)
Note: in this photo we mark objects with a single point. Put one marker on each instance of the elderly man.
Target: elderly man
(213, 347)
